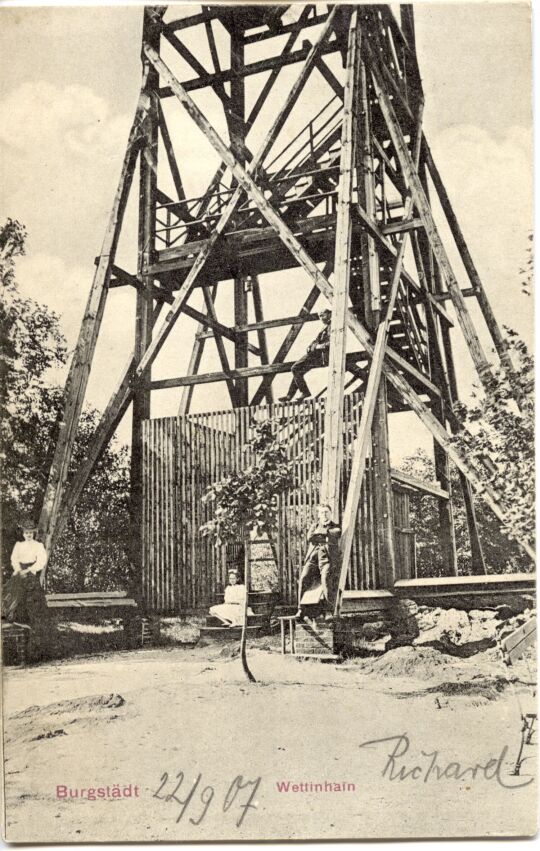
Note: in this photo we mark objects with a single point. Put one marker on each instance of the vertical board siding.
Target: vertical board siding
(183, 455)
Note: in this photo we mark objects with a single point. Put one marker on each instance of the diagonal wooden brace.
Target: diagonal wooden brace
(362, 442)
(134, 371)
(421, 202)
(297, 251)
(81, 361)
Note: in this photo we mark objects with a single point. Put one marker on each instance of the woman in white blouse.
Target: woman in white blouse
(231, 611)
(29, 555)
(24, 598)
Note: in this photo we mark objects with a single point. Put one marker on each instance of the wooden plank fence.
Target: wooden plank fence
(183, 455)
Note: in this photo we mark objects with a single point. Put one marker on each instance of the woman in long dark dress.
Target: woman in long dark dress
(24, 599)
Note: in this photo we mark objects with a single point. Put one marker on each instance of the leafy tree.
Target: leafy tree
(501, 554)
(498, 439)
(248, 501)
(90, 552)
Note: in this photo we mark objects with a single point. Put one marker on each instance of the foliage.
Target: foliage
(528, 269)
(90, 553)
(501, 554)
(498, 439)
(248, 500)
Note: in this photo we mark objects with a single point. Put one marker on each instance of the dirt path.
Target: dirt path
(191, 711)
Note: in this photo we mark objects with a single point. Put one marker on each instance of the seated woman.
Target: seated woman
(231, 611)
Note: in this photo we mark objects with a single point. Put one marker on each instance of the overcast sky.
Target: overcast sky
(69, 81)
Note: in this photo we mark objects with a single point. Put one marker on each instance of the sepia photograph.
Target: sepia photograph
(267, 455)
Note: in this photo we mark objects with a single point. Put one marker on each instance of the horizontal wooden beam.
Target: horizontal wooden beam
(314, 21)
(278, 323)
(240, 241)
(431, 488)
(244, 372)
(374, 230)
(466, 293)
(213, 377)
(246, 181)
(505, 583)
(124, 279)
(249, 69)
(399, 227)
(219, 328)
(189, 21)
(386, 105)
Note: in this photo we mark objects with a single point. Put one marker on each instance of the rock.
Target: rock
(504, 613)
(451, 626)
(230, 650)
(373, 631)
(482, 614)
(407, 608)
(428, 618)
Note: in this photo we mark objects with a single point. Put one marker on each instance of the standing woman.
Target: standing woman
(24, 598)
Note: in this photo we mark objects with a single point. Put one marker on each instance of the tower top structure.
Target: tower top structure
(314, 117)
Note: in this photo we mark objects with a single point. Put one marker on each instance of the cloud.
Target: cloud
(60, 150)
(39, 116)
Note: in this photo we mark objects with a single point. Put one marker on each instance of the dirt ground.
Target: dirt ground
(159, 720)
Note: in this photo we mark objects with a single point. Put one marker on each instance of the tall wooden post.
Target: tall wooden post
(236, 117)
(477, 554)
(380, 458)
(425, 264)
(144, 304)
(333, 421)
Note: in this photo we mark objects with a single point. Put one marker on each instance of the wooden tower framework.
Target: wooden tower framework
(344, 200)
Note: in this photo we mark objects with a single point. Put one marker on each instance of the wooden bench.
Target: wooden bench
(513, 647)
(138, 630)
(116, 602)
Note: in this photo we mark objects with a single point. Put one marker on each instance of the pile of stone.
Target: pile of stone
(475, 630)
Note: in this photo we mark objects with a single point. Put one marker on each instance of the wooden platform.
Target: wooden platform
(504, 583)
(301, 639)
(468, 592)
(138, 631)
(224, 633)
(113, 601)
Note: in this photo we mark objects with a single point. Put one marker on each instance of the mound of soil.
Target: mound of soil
(476, 692)
(488, 688)
(420, 662)
(76, 705)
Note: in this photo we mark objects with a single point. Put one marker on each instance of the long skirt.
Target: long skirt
(24, 602)
(233, 613)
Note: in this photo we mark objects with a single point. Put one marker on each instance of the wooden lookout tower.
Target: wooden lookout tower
(318, 172)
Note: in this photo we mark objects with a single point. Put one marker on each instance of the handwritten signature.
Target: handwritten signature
(239, 797)
(433, 766)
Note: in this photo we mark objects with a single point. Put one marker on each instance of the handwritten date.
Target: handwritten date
(196, 799)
